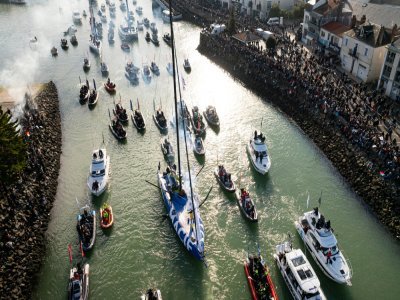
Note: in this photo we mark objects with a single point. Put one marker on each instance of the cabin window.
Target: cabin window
(366, 52)
(298, 261)
(304, 274)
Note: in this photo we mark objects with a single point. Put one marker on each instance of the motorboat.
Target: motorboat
(86, 64)
(103, 18)
(99, 174)
(134, 2)
(64, 44)
(151, 294)
(72, 29)
(211, 115)
(54, 51)
(86, 227)
(198, 145)
(146, 72)
(154, 39)
(111, 36)
(104, 68)
(117, 130)
(103, 7)
(78, 285)
(110, 86)
(147, 37)
(153, 27)
(122, 6)
(106, 216)
(224, 179)
(246, 205)
(111, 25)
(95, 45)
(154, 68)
(184, 115)
(76, 17)
(125, 47)
(320, 240)
(131, 68)
(99, 27)
(139, 10)
(140, 25)
(165, 15)
(127, 32)
(168, 151)
(132, 77)
(167, 39)
(198, 125)
(84, 92)
(120, 113)
(73, 40)
(99, 13)
(111, 6)
(298, 274)
(160, 120)
(186, 65)
(138, 118)
(259, 278)
(94, 41)
(112, 14)
(258, 153)
(170, 68)
(84, 14)
(146, 22)
(93, 98)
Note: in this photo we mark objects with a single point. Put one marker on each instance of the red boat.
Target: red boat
(110, 86)
(259, 279)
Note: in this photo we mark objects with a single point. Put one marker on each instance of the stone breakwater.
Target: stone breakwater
(353, 164)
(25, 205)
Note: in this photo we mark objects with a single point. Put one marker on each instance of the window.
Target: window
(386, 71)
(322, 33)
(366, 52)
(298, 261)
(390, 57)
(397, 77)
(346, 41)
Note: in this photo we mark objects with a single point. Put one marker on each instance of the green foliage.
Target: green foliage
(231, 28)
(12, 149)
(275, 11)
(271, 43)
(297, 11)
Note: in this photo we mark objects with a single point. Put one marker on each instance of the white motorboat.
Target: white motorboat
(76, 17)
(298, 274)
(139, 10)
(170, 68)
(146, 72)
(130, 17)
(165, 15)
(198, 145)
(140, 25)
(258, 153)
(154, 39)
(99, 172)
(321, 242)
(153, 27)
(127, 32)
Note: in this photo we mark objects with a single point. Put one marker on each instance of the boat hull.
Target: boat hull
(136, 125)
(245, 214)
(109, 89)
(94, 102)
(231, 189)
(165, 128)
(255, 165)
(111, 222)
(118, 137)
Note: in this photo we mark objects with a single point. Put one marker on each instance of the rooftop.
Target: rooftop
(336, 28)
(323, 7)
(372, 34)
(246, 37)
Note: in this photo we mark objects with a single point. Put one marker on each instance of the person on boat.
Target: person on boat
(94, 156)
(256, 153)
(261, 156)
(100, 153)
(105, 216)
(255, 134)
(108, 81)
(328, 256)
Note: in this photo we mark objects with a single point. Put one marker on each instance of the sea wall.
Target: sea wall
(25, 205)
(382, 197)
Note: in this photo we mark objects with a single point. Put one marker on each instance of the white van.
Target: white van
(217, 28)
(273, 21)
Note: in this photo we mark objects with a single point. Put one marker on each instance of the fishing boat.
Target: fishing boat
(246, 205)
(73, 40)
(110, 86)
(94, 41)
(168, 151)
(224, 179)
(64, 44)
(138, 118)
(154, 39)
(147, 37)
(86, 227)
(139, 10)
(167, 39)
(125, 47)
(151, 294)
(146, 72)
(117, 130)
(298, 274)
(198, 145)
(258, 153)
(153, 27)
(259, 278)
(120, 113)
(181, 202)
(84, 93)
(154, 68)
(146, 22)
(54, 51)
(186, 65)
(86, 64)
(99, 173)
(76, 17)
(106, 216)
(320, 240)
(160, 120)
(104, 68)
(93, 96)
(211, 116)
(198, 125)
(78, 285)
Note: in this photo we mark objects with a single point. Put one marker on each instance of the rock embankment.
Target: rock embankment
(25, 205)
(354, 164)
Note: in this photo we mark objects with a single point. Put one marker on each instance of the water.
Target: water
(141, 250)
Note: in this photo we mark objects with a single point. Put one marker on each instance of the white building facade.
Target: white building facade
(390, 75)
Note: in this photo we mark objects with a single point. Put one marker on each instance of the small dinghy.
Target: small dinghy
(117, 130)
(93, 97)
(168, 151)
(86, 227)
(246, 205)
(154, 68)
(186, 65)
(86, 64)
(64, 44)
(259, 278)
(84, 93)
(152, 294)
(224, 179)
(99, 173)
(104, 68)
(110, 86)
(147, 37)
(198, 125)
(120, 113)
(198, 145)
(54, 51)
(106, 216)
(167, 39)
(138, 118)
(73, 40)
(211, 116)
(125, 47)
(160, 120)
(78, 286)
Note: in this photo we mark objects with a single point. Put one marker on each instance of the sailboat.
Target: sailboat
(127, 31)
(182, 203)
(94, 42)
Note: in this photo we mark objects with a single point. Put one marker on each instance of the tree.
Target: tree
(12, 149)
(275, 11)
(231, 29)
(271, 43)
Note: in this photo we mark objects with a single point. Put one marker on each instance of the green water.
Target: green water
(141, 250)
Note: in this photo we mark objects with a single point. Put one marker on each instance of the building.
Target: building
(258, 8)
(321, 13)
(390, 75)
(363, 50)
(331, 35)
